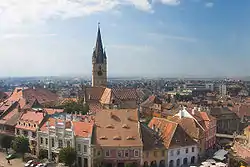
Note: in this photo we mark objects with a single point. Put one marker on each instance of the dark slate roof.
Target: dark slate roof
(150, 139)
(99, 54)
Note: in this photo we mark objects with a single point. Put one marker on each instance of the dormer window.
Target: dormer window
(110, 126)
(125, 126)
(154, 127)
(117, 137)
(130, 138)
(103, 137)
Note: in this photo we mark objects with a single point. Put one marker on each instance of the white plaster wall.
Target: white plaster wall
(183, 154)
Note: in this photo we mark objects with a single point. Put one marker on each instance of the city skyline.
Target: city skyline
(164, 38)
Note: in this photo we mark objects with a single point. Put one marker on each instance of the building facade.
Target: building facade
(27, 126)
(181, 148)
(118, 137)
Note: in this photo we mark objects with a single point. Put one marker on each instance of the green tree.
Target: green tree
(6, 142)
(131, 165)
(67, 155)
(21, 145)
(43, 154)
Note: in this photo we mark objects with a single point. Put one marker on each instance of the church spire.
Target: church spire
(99, 53)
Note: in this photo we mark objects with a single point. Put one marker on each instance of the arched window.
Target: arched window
(193, 160)
(162, 163)
(145, 164)
(178, 162)
(185, 161)
(153, 164)
(171, 163)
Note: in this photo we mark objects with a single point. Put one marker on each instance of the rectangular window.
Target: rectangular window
(178, 152)
(33, 134)
(17, 132)
(79, 147)
(171, 153)
(155, 153)
(119, 153)
(53, 142)
(60, 143)
(41, 140)
(46, 141)
(126, 153)
(136, 153)
(163, 153)
(68, 144)
(107, 153)
(186, 150)
(85, 148)
(192, 149)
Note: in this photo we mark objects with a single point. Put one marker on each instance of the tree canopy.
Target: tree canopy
(6, 142)
(73, 106)
(67, 155)
(21, 145)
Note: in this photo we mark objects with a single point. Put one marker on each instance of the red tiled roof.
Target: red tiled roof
(32, 116)
(52, 122)
(11, 117)
(51, 111)
(151, 101)
(83, 129)
(42, 95)
(189, 126)
(166, 127)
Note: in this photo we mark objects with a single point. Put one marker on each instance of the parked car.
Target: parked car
(28, 163)
(11, 156)
(34, 164)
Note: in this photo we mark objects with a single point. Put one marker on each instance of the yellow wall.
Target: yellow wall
(149, 156)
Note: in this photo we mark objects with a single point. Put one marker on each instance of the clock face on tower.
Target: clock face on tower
(99, 73)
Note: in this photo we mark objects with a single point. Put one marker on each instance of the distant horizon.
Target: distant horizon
(129, 77)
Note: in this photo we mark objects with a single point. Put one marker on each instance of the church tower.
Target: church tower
(99, 63)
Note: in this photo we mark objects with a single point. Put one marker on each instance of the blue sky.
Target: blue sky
(142, 38)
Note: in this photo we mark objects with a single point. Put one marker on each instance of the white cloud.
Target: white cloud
(15, 36)
(26, 11)
(169, 2)
(209, 4)
(172, 37)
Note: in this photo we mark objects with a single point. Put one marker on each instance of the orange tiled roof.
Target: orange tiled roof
(151, 101)
(190, 126)
(32, 116)
(111, 129)
(83, 129)
(52, 122)
(42, 95)
(172, 134)
(51, 111)
(166, 127)
(11, 117)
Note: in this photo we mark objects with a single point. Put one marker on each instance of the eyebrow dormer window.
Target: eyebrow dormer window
(117, 137)
(103, 137)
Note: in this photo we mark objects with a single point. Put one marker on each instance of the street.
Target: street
(17, 162)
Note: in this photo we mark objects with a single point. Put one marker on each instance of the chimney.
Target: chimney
(192, 111)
